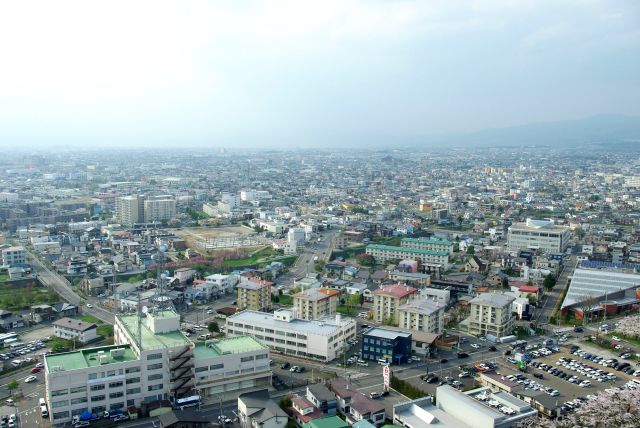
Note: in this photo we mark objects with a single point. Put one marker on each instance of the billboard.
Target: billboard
(386, 377)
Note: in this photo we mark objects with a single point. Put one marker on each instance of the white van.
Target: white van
(44, 412)
(382, 361)
(16, 363)
(42, 402)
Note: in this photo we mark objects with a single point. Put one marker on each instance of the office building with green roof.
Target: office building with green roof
(151, 360)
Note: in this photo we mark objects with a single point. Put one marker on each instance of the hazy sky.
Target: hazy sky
(300, 72)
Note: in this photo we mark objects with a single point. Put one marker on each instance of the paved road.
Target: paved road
(62, 286)
(552, 297)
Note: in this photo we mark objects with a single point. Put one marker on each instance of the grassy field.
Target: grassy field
(17, 298)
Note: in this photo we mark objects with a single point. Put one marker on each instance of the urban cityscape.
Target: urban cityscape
(329, 214)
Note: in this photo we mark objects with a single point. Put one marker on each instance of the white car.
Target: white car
(615, 337)
(30, 379)
(475, 346)
(89, 305)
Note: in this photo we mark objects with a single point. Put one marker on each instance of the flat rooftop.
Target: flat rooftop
(408, 250)
(231, 345)
(85, 358)
(386, 334)
(151, 340)
(322, 327)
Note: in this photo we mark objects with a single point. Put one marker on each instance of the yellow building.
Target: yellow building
(254, 294)
(316, 303)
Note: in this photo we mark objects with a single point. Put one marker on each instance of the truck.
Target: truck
(508, 339)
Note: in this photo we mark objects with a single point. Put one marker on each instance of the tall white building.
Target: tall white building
(422, 315)
(150, 361)
(296, 235)
(129, 210)
(492, 314)
(322, 339)
(12, 256)
(159, 208)
(538, 234)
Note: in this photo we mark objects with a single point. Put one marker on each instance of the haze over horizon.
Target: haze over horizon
(300, 74)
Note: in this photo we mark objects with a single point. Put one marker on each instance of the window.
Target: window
(59, 392)
(157, 376)
(78, 400)
(111, 373)
(154, 356)
(261, 357)
(78, 389)
(132, 402)
(97, 387)
(154, 366)
(201, 369)
(154, 387)
(60, 415)
(132, 370)
(116, 394)
(245, 359)
(115, 384)
(216, 367)
(62, 403)
(97, 398)
(133, 380)
(92, 376)
(133, 391)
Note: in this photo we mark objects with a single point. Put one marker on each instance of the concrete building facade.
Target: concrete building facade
(491, 314)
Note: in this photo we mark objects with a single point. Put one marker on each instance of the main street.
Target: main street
(62, 286)
(552, 297)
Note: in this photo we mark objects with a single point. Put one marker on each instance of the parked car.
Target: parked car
(375, 395)
(30, 379)
(285, 366)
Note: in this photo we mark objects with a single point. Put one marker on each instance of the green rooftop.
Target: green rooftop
(151, 340)
(328, 422)
(428, 241)
(408, 250)
(89, 358)
(231, 345)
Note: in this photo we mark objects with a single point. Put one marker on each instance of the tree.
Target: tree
(361, 299)
(505, 282)
(213, 327)
(609, 408)
(11, 386)
(549, 282)
(365, 259)
(319, 265)
(285, 402)
(471, 250)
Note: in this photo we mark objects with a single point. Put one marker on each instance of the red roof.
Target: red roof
(395, 290)
(529, 289)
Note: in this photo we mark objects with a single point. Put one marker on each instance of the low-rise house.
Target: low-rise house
(257, 410)
(70, 329)
(327, 422)
(355, 406)
(322, 398)
(10, 321)
(302, 410)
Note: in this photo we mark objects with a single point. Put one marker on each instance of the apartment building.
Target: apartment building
(388, 299)
(150, 361)
(323, 339)
(422, 315)
(491, 314)
(69, 328)
(429, 259)
(410, 278)
(129, 210)
(254, 294)
(12, 256)
(538, 234)
(159, 208)
(433, 244)
(222, 283)
(316, 303)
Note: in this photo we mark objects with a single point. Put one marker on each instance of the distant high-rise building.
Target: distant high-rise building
(129, 210)
(159, 208)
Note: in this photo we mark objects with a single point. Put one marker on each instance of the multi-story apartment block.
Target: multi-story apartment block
(222, 283)
(159, 208)
(151, 360)
(322, 340)
(129, 210)
(433, 244)
(12, 256)
(422, 315)
(432, 260)
(254, 294)
(69, 328)
(316, 303)
(388, 299)
(538, 234)
(491, 314)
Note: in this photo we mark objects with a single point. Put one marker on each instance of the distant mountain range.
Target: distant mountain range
(595, 130)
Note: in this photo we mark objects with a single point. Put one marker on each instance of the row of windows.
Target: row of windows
(266, 330)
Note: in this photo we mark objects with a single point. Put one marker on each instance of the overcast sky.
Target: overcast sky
(299, 73)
